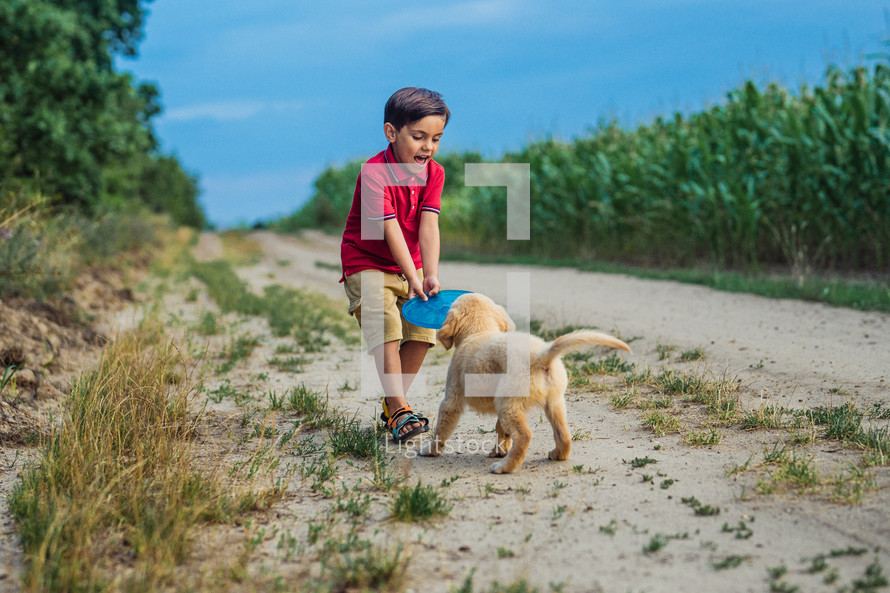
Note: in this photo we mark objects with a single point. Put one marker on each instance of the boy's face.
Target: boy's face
(417, 141)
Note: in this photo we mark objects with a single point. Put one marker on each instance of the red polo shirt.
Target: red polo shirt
(390, 192)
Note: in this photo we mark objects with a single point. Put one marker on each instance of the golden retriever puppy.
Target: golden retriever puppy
(497, 370)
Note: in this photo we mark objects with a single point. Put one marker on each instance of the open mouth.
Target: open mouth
(421, 160)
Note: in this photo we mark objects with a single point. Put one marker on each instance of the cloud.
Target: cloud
(231, 110)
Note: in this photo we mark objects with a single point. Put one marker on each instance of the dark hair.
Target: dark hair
(413, 103)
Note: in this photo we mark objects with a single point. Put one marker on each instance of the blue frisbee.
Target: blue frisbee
(430, 313)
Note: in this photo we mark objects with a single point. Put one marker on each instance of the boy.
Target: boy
(392, 238)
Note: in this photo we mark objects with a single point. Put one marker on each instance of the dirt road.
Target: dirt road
(596, 522)
(659, 494)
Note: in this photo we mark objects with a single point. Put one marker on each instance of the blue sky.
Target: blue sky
(261, 96)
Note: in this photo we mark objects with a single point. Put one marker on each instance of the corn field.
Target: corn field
(769, 178)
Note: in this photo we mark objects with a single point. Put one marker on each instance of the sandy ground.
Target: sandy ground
(544, 523)
(582, 525)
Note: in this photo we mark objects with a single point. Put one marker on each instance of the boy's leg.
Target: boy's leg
(397, 368)
(411, 356)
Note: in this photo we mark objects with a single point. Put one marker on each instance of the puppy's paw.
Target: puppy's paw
(430, 449)
(557, 455)
(500, 467)
(498, 452)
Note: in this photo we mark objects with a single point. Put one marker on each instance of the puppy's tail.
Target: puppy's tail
(575, 341)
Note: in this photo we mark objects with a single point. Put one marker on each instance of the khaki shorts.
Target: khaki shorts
(382, 307)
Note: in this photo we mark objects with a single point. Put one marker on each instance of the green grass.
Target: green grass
(310, 405)
(418, 502)
(115, 477)
(374, 568)
(309, 317)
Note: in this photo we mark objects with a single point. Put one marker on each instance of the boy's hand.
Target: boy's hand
(415, 288)
(431, 285)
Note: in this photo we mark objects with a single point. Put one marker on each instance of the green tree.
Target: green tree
(71, 126)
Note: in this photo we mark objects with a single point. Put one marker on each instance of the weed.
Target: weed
(238, 348)
(657, 542)
(276, 401)
(8, 374)
(665, 484)
(289, 364)
(355, 506)
(848, 551)
(841, 422)
(665, 350)
(641, 461)
(120, 450)
(704, 510)
(775, 455)
(777, 572)
(850, 486)
(741, 530)
(872, 579)
(878, 411)
(346, 436)
(310, 405)
(661, 423)
(610, 365)
(692, 354)
(208, 324)
(370, 569)
(610, 528)
(417, 502)
(622, 400)
(505, 552)
(765, 417)
(704, 438)
(731, 561)
(580, 435)
(877, 442)
(558, 511)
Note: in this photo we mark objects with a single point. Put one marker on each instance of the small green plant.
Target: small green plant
(705, 438)
(655, 544)
(661, 423)
(505, 552)
(622, 400)
(731, 561)
(417, 502)
(692, 354)
(665, 484)
(208, 324)
(309, 404)
(665, 350)
(289, 364)
(557, 486)
(610, 528)
(610, 365)
(642, 461)
(371, 568)
(741, 530)
(346, 436)
(8, 374)
(704, 510)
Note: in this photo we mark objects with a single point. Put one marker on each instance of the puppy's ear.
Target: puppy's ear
(446, 334)
(505, 324)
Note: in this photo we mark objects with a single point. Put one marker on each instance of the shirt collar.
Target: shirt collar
(401, 173)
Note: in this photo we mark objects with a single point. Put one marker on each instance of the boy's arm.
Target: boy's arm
(392, 233)
(429, 251)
